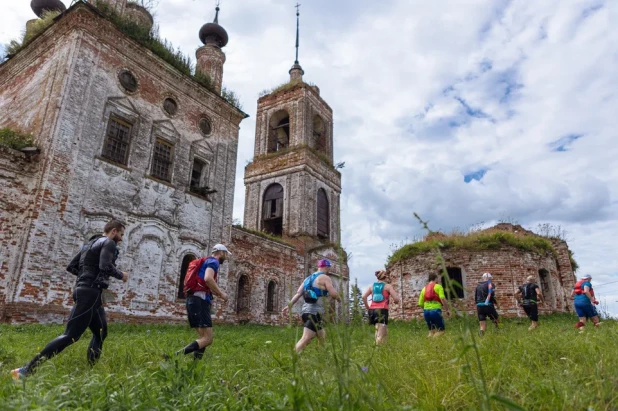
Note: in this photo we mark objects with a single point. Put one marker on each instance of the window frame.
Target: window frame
(170, 170)
(104, 152)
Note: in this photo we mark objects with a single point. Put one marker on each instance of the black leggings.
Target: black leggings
(87, 312)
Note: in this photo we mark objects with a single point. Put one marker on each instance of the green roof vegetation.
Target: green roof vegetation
(15, 139)
(289, 85)
(147, 37)
(263, 235)
(479, 241)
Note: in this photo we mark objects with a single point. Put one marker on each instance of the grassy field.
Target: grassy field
(252, 367)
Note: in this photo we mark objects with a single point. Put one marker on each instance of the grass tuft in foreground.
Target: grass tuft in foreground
(252, 367)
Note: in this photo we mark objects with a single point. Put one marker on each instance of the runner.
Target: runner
(93, 265)
(314, 289)
(378, 309)
(432, 299)
(584, 300)
(530, 293)
(485, 302)
(200, 284)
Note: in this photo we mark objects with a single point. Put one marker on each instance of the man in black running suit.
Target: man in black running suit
(93, 265)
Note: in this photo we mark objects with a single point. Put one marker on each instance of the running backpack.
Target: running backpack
(430, 293)
(377, 296)
(193, 282)
(309, 294)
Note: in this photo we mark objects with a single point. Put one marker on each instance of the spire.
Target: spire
(216, 20)
(296, 72)
(297, 30)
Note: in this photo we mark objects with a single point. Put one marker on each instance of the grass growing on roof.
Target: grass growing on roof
(478, 241)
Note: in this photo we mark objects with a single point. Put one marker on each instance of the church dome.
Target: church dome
(214, 33)
(41, 6)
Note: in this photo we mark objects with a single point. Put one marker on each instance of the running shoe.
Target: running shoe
(18, 374)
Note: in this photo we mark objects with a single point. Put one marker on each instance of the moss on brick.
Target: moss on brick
(15, 139)
(263, 235)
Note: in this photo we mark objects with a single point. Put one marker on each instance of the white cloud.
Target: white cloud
(426, 92)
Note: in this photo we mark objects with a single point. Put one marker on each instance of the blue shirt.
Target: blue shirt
(211, 262)
(583, 298)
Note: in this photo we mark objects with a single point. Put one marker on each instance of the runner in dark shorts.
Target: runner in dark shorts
(485, 302)
(381, 293)
(378, 316)
(198, 312)
(530, 293)
(313, 322)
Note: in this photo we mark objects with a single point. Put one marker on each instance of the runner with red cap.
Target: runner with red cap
(313, 290)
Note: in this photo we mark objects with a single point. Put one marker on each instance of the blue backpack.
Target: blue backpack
(377, 296)
(310, 293)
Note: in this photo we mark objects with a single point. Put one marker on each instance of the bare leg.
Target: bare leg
(308, 335)
(483, 325)
(381, 334)
(205, 337)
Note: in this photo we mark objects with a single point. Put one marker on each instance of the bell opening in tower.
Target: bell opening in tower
(279, 134)
(272, 210)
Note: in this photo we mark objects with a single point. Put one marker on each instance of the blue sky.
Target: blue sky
(465, 112)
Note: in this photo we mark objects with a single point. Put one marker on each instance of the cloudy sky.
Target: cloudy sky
(464, 111)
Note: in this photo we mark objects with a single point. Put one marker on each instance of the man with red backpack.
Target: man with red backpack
(431, 300)
(584, 300)
(199, 286)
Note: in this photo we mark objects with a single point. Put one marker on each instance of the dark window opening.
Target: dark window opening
(196, 174)
(117, 140)
(456, 284)
(272, 210)
(128, 81)
(323, 214)
(271, 304)
(546, 288)
(170, 106)
(279, 132)
(183, 273)
(243, 294)
(162, 160)
(319, 134)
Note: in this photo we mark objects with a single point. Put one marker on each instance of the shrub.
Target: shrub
(35, 28)
(15, 139)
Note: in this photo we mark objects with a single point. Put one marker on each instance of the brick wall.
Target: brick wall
(508, 266)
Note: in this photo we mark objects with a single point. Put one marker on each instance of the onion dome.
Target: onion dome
(213, 33)
(41, 6)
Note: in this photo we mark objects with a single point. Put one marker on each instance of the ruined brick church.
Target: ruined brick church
(122, 133)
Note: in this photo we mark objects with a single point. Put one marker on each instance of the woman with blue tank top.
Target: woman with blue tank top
(313, 290)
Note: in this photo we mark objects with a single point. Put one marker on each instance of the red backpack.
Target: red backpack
(193, 282)
(430, 294)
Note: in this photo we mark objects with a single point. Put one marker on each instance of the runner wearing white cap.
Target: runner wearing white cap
(199, 286)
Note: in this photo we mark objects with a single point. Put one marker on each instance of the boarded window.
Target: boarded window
(243, 294)
(271, 297)
(272, 210)
(455, 290)
(117, 140)
(183, 273)
(162, 160)
(323, 214)
(278, 132)
(319, 134)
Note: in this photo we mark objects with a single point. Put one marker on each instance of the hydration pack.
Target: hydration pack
(430, 293)
(377, 295)
(193, 283)
(309, 294)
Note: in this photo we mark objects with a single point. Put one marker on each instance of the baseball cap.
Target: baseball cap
(324, 263)
(220, 247)
(487, 276)
(587, 276)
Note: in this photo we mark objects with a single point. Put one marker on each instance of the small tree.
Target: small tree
(357, 307)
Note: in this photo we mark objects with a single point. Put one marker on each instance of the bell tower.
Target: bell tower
(292, 188)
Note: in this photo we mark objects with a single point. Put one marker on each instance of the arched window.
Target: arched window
(323, 214)
(272, 210)
(278, 131)
(243, 294)
(271, 297)
(319, 134)
(183, 272)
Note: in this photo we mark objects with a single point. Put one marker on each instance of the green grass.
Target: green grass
(484, 240)
(252, 367)
(15, 139)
